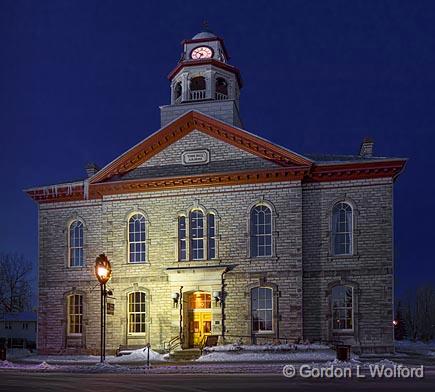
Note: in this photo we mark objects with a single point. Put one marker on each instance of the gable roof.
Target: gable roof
(288, 165)
(183, 125)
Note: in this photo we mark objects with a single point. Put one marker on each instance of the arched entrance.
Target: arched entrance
(200, 317)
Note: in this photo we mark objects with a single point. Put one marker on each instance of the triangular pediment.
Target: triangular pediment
(197, 144)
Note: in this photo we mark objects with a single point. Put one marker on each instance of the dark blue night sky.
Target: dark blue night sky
(81, 81)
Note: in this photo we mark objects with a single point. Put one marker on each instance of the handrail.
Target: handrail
(173, 343)
(202, 342)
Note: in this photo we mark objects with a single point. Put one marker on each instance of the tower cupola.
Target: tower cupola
(203, 80)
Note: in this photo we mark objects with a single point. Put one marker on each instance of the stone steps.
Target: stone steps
(188, 354)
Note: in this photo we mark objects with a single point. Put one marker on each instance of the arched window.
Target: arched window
(342, 307)
(342, 229)
(197, 235)
(197, 88)
(76, 258)
(197, 83)
(182, 251)
(177, 91)
(262, 309)
(221, 89)
(211, 236)
(199, 300)
(75, 314)
(261, 231)
(136, 312)
(136, 238)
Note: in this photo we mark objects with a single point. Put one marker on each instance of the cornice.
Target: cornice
(56, 194)
(295, 173)
(355, 170)
(216, 63)
(305, 174)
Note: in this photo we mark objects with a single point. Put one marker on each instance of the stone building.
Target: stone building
(213, 230)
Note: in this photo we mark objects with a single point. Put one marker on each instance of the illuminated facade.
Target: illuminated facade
(213, 230)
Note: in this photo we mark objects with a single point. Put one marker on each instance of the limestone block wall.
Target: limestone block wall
(226, 111)
(223, 158)
(300, 272)
(369, 270)
(106, 231)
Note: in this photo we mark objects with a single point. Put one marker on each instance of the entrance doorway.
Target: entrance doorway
(199, 318)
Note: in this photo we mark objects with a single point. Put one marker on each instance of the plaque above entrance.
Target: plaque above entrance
(195, 157)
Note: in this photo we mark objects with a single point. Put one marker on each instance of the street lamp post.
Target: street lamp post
(103, 272)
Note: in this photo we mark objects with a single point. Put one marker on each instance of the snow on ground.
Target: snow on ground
(230, 353)
(199, 368)
(266, 357)
(162, 369)
(136, 357)
(354, 363)
(267, 353)
(140, 355)
(267, 347)
(417, 347)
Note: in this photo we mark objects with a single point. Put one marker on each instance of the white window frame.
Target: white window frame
(183, 240)
(134, 312)
(72, 246)
(254, 232)
(211, 237)
(143, 242)
(74, 314)
(334, 233)
(268, 331)
(203, 238)
(345, 308)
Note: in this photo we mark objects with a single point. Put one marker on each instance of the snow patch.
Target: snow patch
(267, 347)
(45, 366)
(6, 364)
(139, 355)
(265, 354)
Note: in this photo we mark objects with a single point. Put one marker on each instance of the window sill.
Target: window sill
(197, 260)
(343, 331)
(264, 333)
(76, 267)
(262, 258)
(196, 263)
(355, 256)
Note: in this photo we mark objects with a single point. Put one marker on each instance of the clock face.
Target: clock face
(202, 52)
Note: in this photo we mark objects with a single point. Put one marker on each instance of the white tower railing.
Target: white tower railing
(196, 95)
(220, 96)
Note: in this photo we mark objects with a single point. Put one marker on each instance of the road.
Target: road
(12, 381)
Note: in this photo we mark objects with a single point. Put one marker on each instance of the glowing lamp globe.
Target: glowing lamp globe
(103, 269)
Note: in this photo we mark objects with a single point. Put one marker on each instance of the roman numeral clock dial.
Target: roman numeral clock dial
(202, 52)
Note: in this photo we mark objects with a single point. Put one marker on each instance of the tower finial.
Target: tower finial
(205, 24)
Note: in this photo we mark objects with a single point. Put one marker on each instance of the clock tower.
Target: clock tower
(203, 80)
